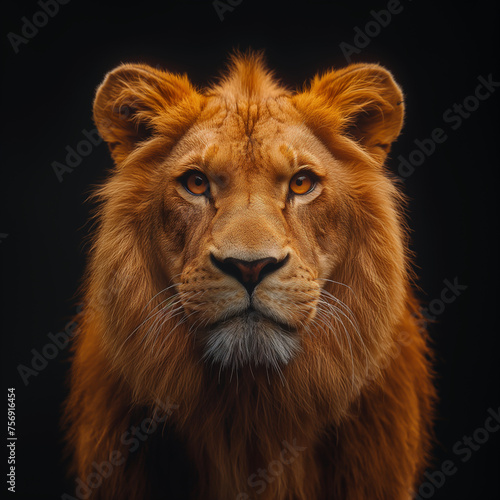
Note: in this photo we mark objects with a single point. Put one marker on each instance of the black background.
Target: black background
(436, 52)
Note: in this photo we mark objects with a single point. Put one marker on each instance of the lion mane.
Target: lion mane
(249, 326)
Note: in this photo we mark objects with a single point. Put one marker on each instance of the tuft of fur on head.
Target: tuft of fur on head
(247, 77)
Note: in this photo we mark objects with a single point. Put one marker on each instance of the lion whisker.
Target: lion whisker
(159, 293)
(338, 319)
(339, 283)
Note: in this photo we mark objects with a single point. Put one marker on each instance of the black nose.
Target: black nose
(248, 273)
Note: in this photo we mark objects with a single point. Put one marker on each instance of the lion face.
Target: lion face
(251, 206)
(255, 222)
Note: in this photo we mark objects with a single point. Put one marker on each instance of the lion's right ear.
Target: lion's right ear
(362, 102)
(133, 103)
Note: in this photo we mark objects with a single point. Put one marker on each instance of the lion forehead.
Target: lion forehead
(248, 138)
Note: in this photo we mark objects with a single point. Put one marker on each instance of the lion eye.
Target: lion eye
(195, 183)
(302, 183)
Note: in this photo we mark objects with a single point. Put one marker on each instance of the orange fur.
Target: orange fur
(355, 399)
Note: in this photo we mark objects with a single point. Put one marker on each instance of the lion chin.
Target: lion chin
(250, 339)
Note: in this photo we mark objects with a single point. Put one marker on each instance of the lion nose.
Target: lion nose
(248, 273)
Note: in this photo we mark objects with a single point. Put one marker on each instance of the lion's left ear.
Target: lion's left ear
(362, 101)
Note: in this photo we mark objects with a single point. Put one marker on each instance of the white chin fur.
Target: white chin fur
(250, 339)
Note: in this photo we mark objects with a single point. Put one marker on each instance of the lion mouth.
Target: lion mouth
(250, 337)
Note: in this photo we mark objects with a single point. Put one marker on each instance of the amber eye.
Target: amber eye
(302, 183)
(196, 183)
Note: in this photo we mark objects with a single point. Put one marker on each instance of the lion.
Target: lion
(250, 328)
